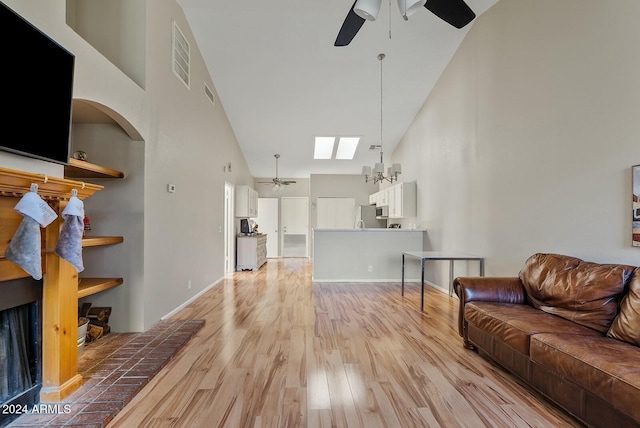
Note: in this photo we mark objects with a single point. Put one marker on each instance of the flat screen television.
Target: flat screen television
(36, 81)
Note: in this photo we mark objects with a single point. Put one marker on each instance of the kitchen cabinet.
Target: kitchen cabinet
(402, 200)
(380, 198)
(246, 202)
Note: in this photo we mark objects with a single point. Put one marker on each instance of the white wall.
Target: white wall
(190, 144)
(526, 143)
(115, 28)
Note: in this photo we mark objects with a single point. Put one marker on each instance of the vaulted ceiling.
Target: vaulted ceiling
(282, 82)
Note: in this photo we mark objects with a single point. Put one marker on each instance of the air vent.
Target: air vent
(180, 54)
(209, 93)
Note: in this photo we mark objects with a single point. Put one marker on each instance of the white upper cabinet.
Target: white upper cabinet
(401, 199)
(246, 202)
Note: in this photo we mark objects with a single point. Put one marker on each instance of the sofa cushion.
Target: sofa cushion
(612, 372)
(626, 326)
(514, 323)
(583, 292)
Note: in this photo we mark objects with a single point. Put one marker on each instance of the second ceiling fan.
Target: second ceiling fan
(454, 12)
(277, 182)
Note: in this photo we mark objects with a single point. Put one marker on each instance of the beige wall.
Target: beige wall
(187, 141)
(526, 143)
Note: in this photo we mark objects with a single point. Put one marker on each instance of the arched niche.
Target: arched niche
(87, 111)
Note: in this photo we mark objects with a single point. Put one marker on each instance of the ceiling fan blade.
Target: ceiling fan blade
(350, 27)
(454, 12)
(287, 182)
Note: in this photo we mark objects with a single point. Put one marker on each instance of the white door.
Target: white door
(336, 213)
(229, 229)
(295, 226)
(268, 223)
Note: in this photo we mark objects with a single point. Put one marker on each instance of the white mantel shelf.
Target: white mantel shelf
(363, 255)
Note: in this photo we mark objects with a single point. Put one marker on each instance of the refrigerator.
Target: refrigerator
(367, 213)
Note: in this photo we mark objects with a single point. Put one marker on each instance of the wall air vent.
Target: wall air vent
(180, 55)
(209, 93)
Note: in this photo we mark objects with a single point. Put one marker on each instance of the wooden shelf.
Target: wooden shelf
(82, 169)
(96, 241)
(89, 286)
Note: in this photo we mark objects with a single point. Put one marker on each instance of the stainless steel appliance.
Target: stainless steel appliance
(367, 213)
(382, 212)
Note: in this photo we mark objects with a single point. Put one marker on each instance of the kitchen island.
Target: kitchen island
(364, 255)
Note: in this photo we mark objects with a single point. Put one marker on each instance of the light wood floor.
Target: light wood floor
(280, 351)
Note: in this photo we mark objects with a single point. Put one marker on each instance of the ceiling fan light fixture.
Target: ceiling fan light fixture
(409, 7)
(367, 9)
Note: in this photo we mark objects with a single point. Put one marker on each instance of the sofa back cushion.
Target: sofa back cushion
(626, 326)
(583, 292)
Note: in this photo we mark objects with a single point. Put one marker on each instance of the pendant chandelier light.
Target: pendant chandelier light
(377, 174)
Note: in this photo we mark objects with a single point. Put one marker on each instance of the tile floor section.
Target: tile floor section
(115, 368)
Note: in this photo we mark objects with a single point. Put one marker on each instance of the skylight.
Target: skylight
(347, 147)
(323, 148)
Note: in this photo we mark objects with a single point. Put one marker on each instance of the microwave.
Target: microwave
(382, 212)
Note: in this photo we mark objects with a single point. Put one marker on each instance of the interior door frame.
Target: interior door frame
(282, 225)
(272, 241)
(229, 228)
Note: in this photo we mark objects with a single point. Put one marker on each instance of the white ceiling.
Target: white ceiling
(282, 82)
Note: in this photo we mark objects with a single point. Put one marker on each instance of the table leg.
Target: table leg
(402, 275)
(481, 267)
(422, 287)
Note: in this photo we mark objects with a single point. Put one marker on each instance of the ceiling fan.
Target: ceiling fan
(277, 182)
(454, 12)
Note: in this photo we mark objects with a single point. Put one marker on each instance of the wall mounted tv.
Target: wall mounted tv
(36, 81)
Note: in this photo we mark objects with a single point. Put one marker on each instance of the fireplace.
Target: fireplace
(20, 347)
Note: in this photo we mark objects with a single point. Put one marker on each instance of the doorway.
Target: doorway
(268, 224)
(229, 228)
(295, 226)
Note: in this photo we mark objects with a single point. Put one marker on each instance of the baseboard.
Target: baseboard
(188, 302)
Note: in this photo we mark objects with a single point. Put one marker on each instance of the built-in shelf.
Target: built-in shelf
(78, 169)
(96, 241)
(89, 286)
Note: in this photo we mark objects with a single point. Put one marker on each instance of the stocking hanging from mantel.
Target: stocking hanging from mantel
(24, 249)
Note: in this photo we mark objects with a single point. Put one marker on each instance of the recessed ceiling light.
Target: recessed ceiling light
(323, 148)
(347, 147)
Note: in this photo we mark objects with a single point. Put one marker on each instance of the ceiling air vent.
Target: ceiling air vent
(209, 93)
(180, 55)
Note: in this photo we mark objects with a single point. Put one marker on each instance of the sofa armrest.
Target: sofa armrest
(485, 289)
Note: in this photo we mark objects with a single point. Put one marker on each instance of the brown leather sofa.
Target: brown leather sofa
(569, 328)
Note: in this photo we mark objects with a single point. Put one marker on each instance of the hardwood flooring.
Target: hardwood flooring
(280, 351)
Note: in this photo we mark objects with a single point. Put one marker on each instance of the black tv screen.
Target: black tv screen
(36, 78)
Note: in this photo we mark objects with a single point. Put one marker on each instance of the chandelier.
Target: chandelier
(377, 173)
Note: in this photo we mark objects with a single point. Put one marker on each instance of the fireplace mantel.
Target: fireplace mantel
(60, 280)
(17, 183)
